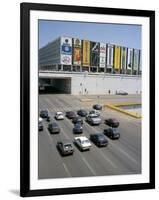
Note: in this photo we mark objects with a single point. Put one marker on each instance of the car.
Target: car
(82, 142)
(99, 139)
(78, 128)
(44, 113)
(112, 133)
(65, 147)
(70, 114)
(93, 120)
(121, 92)
(94, 113)
(112, 122)
(53, 128)
(59, 116)
(40, 126)
(40, 119)
(97, 107)
(77, 120)
(82, 113)
(48, 118)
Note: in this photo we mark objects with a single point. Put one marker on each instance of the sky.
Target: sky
(119, 34)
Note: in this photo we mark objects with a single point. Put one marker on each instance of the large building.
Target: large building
(73, 54)
(79, 66)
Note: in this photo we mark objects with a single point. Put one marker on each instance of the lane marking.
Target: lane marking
(107, 159)
(66, 169)
(89, 166)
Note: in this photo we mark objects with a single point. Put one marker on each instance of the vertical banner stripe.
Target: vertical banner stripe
(86, 53)
(117, 57)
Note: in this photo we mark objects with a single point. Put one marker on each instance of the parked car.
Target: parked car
(97, 107)
(70, 114)
(40, 119)
(82, 112)
(121, 92)
(59, 116)
(83, 143)
(94, 113)
(40, 126)
(48, 118)
(54, 128)
(65, 147)
(93, 120)
(112, 122)
(78, 128)
(99, 139)
(112, 133)
(44, 113)
(77, 120)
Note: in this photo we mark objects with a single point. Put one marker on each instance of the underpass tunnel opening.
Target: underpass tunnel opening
(55, 85)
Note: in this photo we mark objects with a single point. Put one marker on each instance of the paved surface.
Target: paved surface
(121, 156)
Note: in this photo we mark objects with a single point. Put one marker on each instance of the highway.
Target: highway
(120, 157)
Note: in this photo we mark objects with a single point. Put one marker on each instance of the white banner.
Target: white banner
(110, 55)
(102, 55)
(66, 59)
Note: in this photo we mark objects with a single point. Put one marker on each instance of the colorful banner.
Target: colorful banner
(86, 53)
(136, 60)
(102, 55)
(110, 55)
(130, 59)
(66, 45)
(123, 57)
(94, 54)
(66, 59)
(76, 52)
(117, 57)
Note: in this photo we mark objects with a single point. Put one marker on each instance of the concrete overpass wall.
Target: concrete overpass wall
(104, 84)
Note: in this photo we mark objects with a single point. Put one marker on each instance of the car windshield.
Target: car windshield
(67, 146)
(85, 142)
(101, 137)
(115, 130)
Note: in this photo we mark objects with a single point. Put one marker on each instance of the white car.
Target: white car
(82, 142)
(40, 119)
(59, 116)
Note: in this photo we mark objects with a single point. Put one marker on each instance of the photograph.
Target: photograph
(90, 95)
(87, 99)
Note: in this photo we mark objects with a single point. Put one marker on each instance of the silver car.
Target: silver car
(93, 120)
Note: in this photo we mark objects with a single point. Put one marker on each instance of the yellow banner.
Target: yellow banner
(86, 53)
(117, 57)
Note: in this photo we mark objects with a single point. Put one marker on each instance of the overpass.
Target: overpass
(90, 83)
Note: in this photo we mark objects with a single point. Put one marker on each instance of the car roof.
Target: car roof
(65, 141)
(82, 138)
(59, 112)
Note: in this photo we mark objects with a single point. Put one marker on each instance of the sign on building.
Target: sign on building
(76, 52)
(117, 57)
(86, 53)
(110, 55)
(123, 58)
(66, 59)
(130, 59)
(94, 54)
(136, 60)
(66, 45)
(102, 55)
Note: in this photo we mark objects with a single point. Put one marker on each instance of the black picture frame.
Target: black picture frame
(25, 9)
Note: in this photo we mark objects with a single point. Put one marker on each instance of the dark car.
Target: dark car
(65, 147)
(78, 128)
(48, 118)
(54, 128)
(112, 133)
(44, 113)
(121, 92)
(40, 126)
(112, 122)
(99, 139)
(70, 114)
(77, 120)
(97, 107)
(82, 112)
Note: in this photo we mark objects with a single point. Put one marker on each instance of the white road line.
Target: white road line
(108, 160)
(66, 169)
(89, 166)
(66, 136)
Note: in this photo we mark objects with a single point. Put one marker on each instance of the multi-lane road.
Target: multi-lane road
(121, 156)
